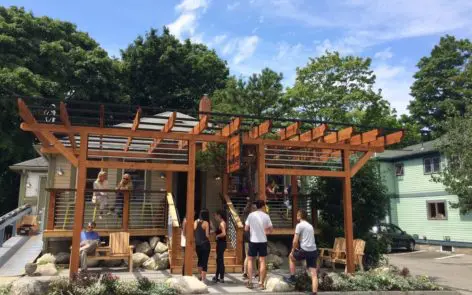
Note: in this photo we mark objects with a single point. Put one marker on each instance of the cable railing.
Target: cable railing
(173, 228)
(235, 228)
(109, 209)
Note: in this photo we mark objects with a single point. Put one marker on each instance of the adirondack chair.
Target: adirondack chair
(118, 249)
(332, 254)
(359, 247)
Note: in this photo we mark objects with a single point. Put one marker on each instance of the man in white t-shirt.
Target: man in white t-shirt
(258, 224)
(304, 248)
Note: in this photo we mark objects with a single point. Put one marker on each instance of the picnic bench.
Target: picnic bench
(337, 254)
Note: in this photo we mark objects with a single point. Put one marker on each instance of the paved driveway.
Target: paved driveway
(448, 269)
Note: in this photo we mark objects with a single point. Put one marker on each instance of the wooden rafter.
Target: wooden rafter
(28, 117)
(134, 127)
(335, 137)
(260, 129)
(230, 128)
(67, 153)
(312, 134)
(197, 129)
(364, 138)
(290, 131)
(65, 119)
(393, 138)
(360, 163)
(167, 128)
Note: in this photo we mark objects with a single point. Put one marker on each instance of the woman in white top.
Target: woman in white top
(100, 197)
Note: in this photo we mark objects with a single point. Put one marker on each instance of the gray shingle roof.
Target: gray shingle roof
(39, 163)
(410, 151)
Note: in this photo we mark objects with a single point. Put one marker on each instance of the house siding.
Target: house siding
(64, 180)
(408, 205)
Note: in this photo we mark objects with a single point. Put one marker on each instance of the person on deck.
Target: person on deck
(100, 197)
(202, 242)
(89, 240)
(258, 224)
(304, 248)
(220, 217)
(124, 185)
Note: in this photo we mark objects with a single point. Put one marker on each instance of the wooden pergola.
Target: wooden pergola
(86, 135)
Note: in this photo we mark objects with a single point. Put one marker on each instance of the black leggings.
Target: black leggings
(220, 258)
(203, 252)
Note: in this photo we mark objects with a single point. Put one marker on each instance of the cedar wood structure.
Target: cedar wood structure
(283, 147)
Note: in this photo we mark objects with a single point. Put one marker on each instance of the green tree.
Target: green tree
(339, 88)
(443, 84)
(261, 95)
(40, 56)
(455, 146)
(160, 71)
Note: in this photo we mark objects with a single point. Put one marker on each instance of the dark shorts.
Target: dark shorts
(309, 256)
(257, 249)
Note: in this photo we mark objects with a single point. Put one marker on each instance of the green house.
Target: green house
(419, 205)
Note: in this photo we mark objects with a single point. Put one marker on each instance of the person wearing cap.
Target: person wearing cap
(89, 240)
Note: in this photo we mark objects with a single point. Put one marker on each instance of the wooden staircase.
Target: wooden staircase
(231, 263)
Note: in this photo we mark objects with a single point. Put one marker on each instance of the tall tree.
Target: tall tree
(40, 56)
(339, 88)
(162, 72)
(443, 84)
(455, 146)
(260, 95)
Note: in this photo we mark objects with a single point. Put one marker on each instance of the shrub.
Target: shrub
(162, 289)
(5, 290)
(373, 252)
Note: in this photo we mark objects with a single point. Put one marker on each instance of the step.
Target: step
(211, 269)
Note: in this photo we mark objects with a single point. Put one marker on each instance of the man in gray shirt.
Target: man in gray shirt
(304, 248)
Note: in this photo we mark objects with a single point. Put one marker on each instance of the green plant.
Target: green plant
(144, 284)
(5, 290)
(162, 289)
(110, 282)
(374, 250)
(214, 157)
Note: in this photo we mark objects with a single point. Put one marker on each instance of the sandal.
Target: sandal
(249, 285)
(261, 286)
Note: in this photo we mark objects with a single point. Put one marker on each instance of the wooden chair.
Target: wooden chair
(332, 254)
(359, 247)
(118, 249)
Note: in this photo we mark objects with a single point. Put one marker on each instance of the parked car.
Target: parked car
(396, 237)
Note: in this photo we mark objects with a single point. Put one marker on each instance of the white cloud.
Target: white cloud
(245, 48)
(344, 46)
(187, 22)
(217, 40)
(384, 54)
(233, 6)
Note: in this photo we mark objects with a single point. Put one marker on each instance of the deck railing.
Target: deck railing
(113, 209)
(173, 229)
(235, 229)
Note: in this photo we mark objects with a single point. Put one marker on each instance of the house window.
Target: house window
(437, 210)
(432, 165)
(399, 169)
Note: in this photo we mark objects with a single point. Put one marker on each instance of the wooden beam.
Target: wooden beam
(28, 117)
(304, 172)
(231, 128)
(65, 119)
(261, 171)
(138, 166)
(167, 128)
(190, 208)
(134, 127)
(365, 137)
(51, 210)
(312, 134)
(347, 208)
(290, 131)
(109, 153)
(67, 153)
(197, 129)
(169, 175)
(79, 206)
(360, 163)
(393, 138)
(260, 129)
(121, 132)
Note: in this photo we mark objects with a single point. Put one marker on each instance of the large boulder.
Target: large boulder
(277, 284)
(46, 258)
(272, 248)
(144, 248)
(30, 268)
(162, 261)
(163, 255)
(150, 264)
(62, 258)
(153, 242)
(48, 269)
(139, 259)
(282, 249)
(187, 285)
(30, 286)
(161, 248)
(275, 260)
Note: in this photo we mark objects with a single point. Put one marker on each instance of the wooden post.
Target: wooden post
(190, 246)
(261, 171)
(51, 210)
(294, 193)
(169, 181)
(126, 210)
(79, 205)
(347, 200)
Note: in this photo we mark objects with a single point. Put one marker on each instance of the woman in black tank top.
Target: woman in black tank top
(220, 217)
(202, 242)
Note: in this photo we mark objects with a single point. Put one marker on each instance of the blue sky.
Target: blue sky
(280, 34)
